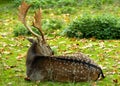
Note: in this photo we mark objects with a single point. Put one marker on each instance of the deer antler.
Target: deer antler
(37, 22)
(23, 9)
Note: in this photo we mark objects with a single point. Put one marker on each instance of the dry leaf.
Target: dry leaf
(19, 57)
(7, 52)
(115, 80)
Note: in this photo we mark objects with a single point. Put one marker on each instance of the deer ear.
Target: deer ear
(31, 40)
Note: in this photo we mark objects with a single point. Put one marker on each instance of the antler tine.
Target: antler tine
(23, 9)
(37, 22)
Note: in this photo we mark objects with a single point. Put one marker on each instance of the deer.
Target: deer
(43, 65)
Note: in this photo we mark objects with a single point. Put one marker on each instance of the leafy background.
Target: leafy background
(56, 20)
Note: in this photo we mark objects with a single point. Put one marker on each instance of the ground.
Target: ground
(13, 52)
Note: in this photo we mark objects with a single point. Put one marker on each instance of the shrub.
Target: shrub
(20, 29)
(48, 26)
(66, 6)
(52, 23)
(61, 3)
(46, 3)
(101, 27)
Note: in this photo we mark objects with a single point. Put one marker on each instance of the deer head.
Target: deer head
(41, 45)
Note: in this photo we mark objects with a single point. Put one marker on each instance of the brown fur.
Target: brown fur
(75, 68)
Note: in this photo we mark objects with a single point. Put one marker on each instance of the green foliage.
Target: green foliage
(48, 3)
(66, 6)
(96, 3)
(101, 27)
(66, 10)
(48, 26)
(52, 24)
(20, 29)
(62, 3)
(5, 1)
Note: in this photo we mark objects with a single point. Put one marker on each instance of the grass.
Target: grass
(13, 51)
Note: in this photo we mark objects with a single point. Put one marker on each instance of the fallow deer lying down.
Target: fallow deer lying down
(42, 65)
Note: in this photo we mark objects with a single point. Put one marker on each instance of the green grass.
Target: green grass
(13, 51)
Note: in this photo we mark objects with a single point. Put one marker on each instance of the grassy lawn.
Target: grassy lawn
(13, 51)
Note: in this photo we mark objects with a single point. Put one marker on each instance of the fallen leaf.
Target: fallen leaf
(7, 52)
(115, 80)
(101, 44)
(88, 46)
(19, 57)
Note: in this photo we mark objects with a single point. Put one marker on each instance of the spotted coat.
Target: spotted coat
(74, 68)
